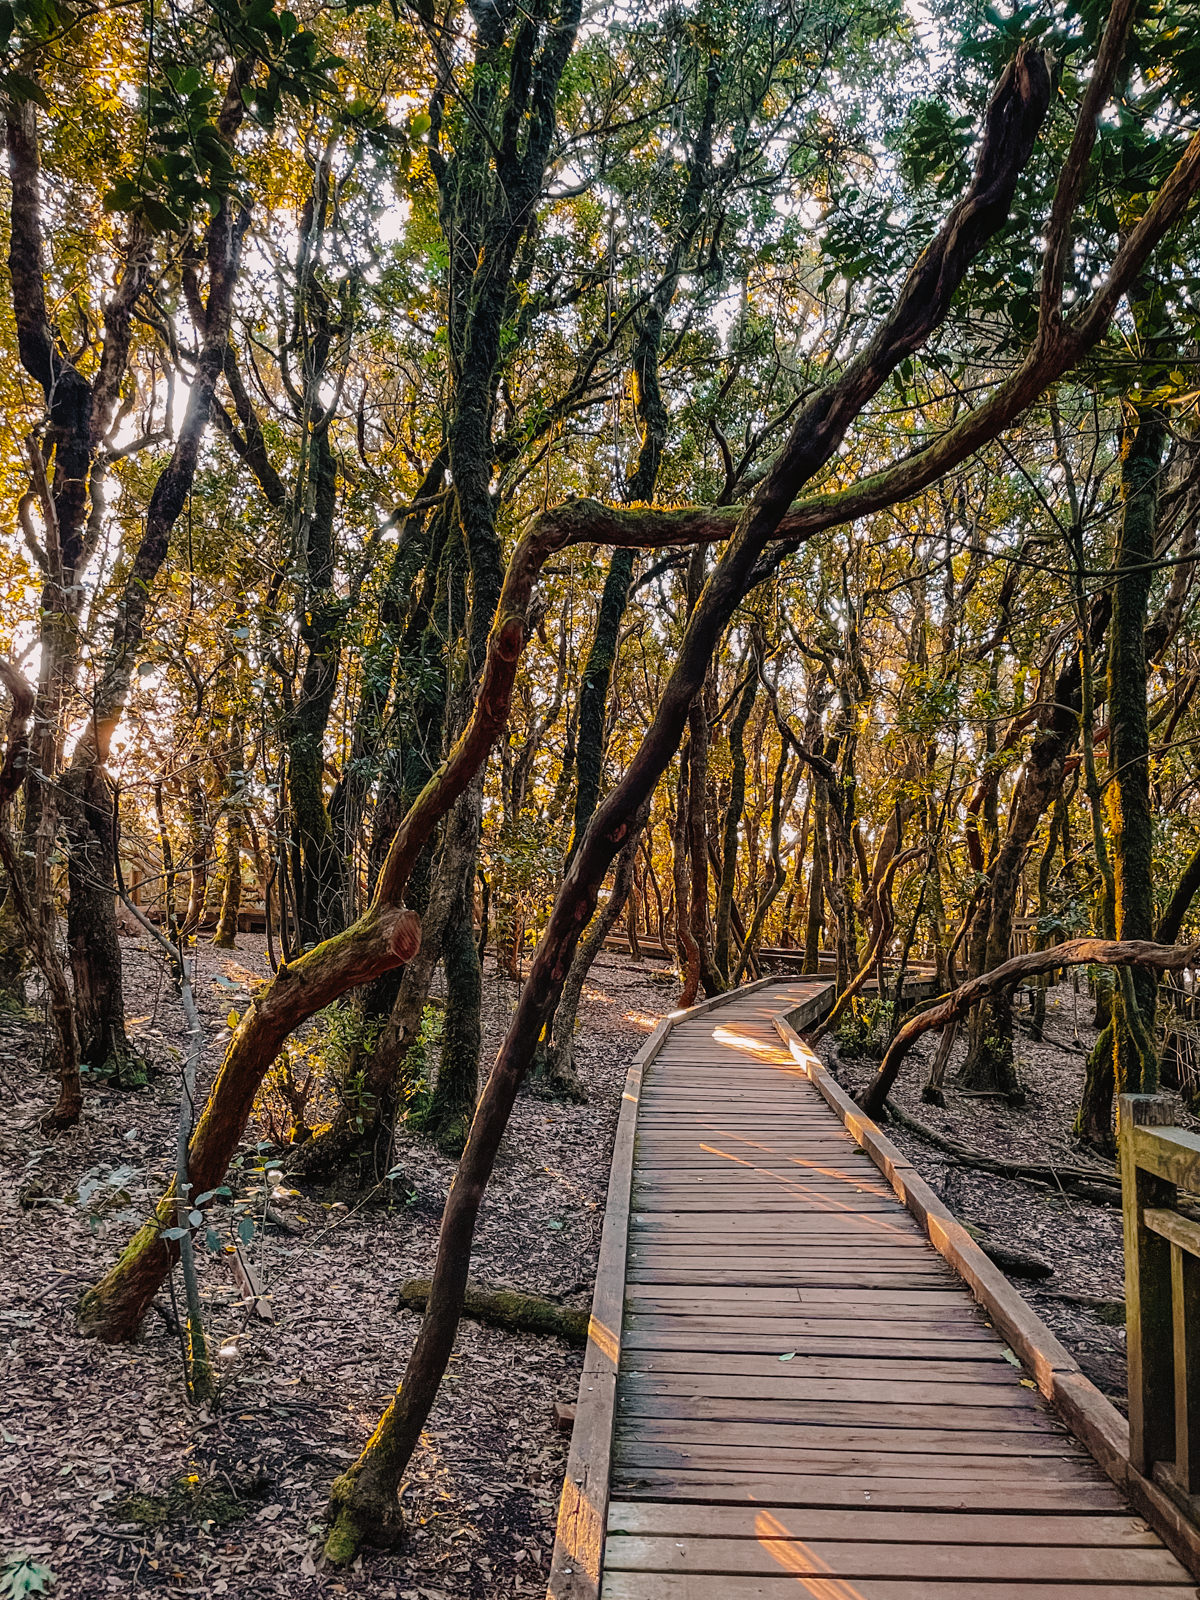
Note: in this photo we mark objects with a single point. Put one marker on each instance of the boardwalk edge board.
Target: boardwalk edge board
(577, 1562)
(1093, 1419)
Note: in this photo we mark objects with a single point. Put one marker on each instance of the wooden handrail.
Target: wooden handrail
(1162, 1295)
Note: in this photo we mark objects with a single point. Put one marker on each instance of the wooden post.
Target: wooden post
(1148, 1317)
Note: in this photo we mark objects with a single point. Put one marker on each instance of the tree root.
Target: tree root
(360, 1513)
(329, 1151)
(511, 1309)
(125, 1069)
(553, 1076)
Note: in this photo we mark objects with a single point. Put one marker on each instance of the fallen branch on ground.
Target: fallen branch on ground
(1015, 1262)
(511, 1309)
(1038, 1171)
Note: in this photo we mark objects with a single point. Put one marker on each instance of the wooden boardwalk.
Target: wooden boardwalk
(788, 1391)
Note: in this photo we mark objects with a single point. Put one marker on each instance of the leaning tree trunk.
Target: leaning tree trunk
(364, 1499)
(1074, 952)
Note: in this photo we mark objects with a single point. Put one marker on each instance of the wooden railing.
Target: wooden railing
(1162, 1295)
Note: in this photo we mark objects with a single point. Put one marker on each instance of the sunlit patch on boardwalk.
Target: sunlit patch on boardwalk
(798, 1559)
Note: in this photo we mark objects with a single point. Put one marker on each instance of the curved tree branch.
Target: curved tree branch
(1004, 978)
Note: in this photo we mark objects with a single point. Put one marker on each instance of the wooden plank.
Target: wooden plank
(831, 1274)
(1172, 1154)
(829, 1226)
(1176, 1229)
(876, 1462)
(819, 1343)
(692, 1586)
(692, 1297)
(796, 1328)
(717, 1485)
(791, 1411)
(986, 1366)
(1185, 1310)
(884, 1435)
(768, 1556)
(775, 1307)
(781, 1390)
(687, 1518)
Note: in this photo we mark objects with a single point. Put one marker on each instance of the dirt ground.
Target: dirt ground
(107, 1476)
(1080, 1240)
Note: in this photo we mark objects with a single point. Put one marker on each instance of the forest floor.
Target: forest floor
(1082, 1300)
(112, 1481)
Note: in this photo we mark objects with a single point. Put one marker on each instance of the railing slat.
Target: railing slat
(1185, 1305)
(1175, 1229)
(1148, 1316)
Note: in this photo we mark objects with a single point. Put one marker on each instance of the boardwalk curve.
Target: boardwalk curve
(788, 1391)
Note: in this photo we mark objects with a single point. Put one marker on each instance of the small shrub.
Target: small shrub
(865, 1029)
(419, 1062)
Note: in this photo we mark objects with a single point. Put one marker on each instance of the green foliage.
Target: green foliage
(191, 1500)
(22, 1575)
(420, 1061)
(865, 1028)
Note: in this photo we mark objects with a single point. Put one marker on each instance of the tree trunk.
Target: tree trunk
(697, 837)
(1074, 952)
(199, 845)
(816, 883)
(225, 937)
(1131, 821)
(553, 1072)
(593, 692)
(95, 949)
(685, 939)
(989, 1063)
(733, 820)
(453, 1103)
